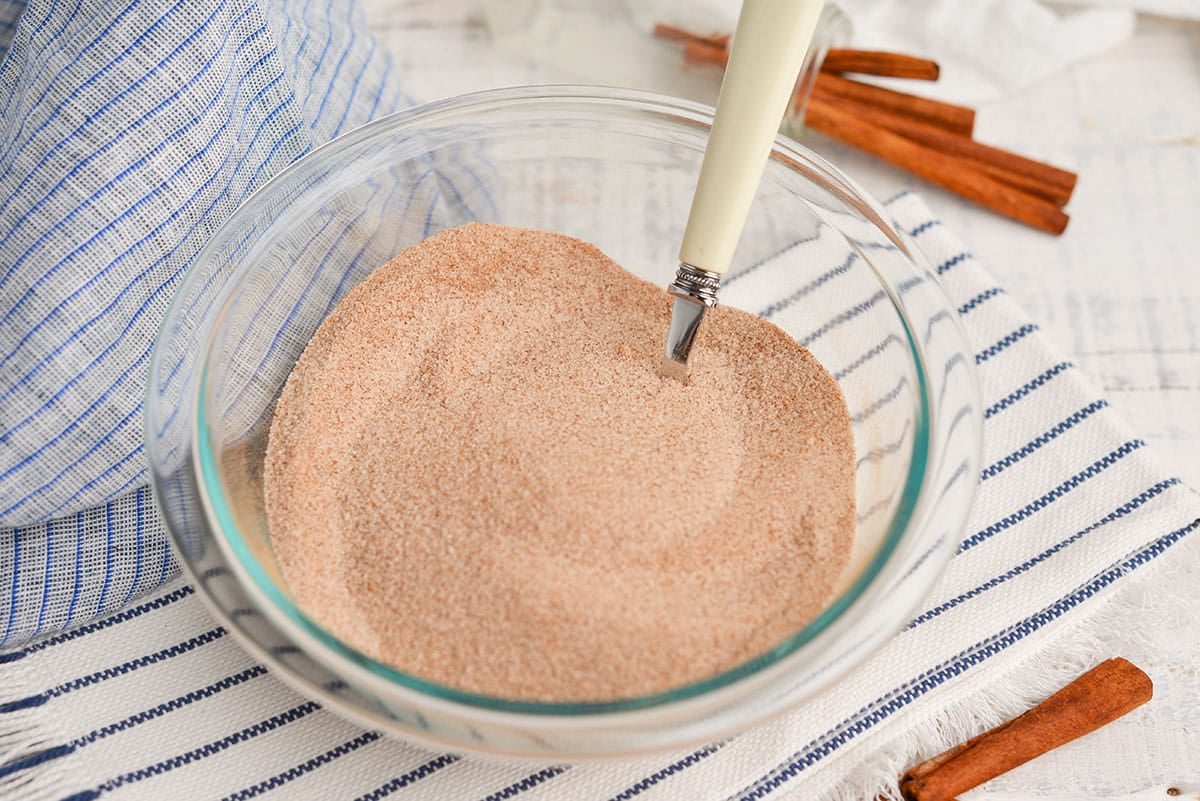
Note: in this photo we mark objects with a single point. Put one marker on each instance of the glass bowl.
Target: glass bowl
(617, 169)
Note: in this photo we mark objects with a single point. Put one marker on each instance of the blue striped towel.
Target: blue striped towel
(130, 130)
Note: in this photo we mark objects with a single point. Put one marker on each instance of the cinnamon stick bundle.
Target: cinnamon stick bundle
(949, 172)
(951, 117)
(1039, 178)
(928, 138)
(1100, 696)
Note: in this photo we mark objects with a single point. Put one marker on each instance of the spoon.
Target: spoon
(768, 49)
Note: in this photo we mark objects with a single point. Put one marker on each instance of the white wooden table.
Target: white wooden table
(1122, 300)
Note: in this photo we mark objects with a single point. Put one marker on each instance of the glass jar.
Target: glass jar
(834, 29)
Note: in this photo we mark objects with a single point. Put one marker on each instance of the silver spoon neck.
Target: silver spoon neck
(695, 291)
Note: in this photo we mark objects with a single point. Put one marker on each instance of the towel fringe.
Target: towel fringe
(24, 733)
(37, 786)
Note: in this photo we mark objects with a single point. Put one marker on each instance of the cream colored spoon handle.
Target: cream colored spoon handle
(768, 49)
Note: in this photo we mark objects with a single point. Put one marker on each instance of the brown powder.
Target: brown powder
(477, 475)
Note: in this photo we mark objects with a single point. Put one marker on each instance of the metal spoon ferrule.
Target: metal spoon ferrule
(695, 291)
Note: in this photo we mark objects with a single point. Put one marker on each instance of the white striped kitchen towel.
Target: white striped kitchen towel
(1072, 515)
(129, 130)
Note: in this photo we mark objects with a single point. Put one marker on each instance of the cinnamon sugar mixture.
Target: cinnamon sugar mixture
(476, 474)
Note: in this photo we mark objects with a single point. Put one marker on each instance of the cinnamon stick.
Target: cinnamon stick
(665, 31)
(699, 52)
(1036, 177)
(958, 119)
(1100, 696)
(714, 49)
(954, 173)
(879, 62)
